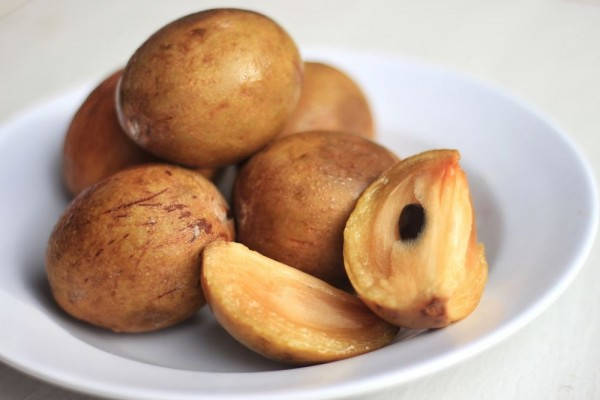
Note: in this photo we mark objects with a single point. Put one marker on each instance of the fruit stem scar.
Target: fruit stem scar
(435, 308)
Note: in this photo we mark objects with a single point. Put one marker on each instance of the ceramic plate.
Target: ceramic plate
(535, 202)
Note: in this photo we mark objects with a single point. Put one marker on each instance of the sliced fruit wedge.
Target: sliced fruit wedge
(284, 313)
(410, 244)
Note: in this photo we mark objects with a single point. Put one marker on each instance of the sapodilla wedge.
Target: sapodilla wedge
(283, 313)
(410, 244)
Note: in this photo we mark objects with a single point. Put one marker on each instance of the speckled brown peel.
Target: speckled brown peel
(95, 146)
(211, 88)
(292, 199)
(125, 255)
(330, 101)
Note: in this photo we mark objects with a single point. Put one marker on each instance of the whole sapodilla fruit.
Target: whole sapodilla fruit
(292, 199)
(211, 88)
(125, 255)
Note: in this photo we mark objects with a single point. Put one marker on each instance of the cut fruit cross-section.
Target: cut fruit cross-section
(410, 245)
(286, 314)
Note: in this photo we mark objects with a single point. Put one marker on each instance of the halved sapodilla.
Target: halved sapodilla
(283, 313)
(410, 244)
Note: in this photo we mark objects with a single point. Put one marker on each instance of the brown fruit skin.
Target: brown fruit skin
(125, 255)
(211, 88)
(292, 199)
(95, 146)
(283, 313)
(331, 101)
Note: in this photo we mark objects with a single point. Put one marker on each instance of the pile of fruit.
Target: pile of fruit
(338, 242)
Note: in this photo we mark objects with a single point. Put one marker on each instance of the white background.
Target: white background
(546, 52)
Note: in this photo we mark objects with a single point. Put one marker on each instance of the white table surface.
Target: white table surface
(545, 51)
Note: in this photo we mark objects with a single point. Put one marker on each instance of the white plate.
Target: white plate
(537, 214)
